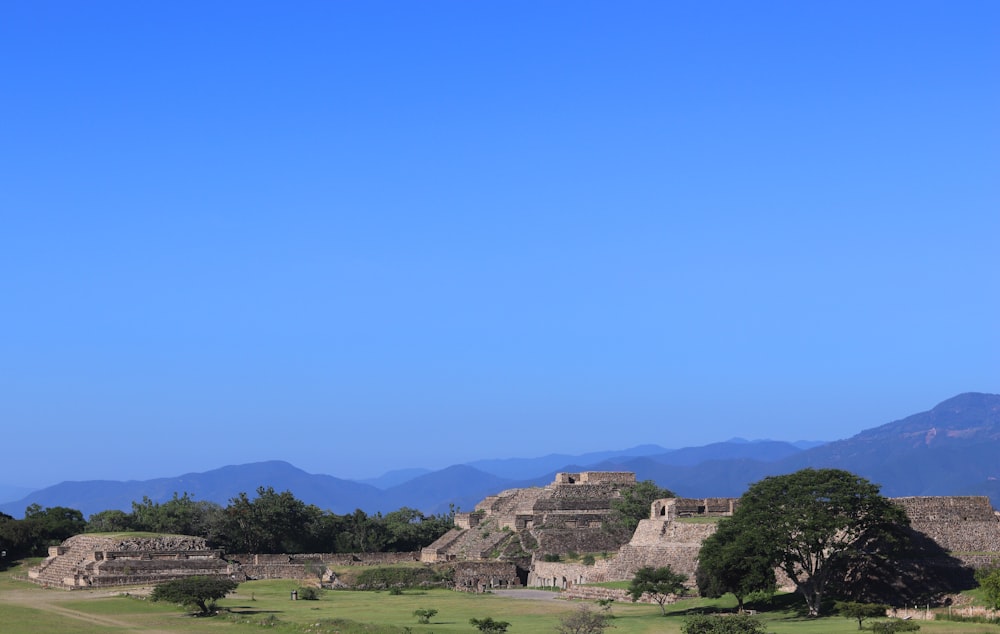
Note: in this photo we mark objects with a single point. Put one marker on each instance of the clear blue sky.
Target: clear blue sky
(361, 236)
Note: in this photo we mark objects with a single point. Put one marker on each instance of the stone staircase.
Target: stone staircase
(67, 564)
(467, 544)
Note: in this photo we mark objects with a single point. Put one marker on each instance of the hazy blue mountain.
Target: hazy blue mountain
(393, 478)
(13, 492)
(461, 485)
(736, 449)
(218, 485)
(521, 468)
(951, 449)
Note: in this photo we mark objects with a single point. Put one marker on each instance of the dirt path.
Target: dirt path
(51, 601)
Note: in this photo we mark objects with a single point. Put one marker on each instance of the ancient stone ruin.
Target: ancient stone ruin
(95, 560)
(510, 540)
(965, 529)
(515, 524)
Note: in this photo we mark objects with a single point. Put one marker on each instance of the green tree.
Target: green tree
(424, 615)
(180, 515)
(193, 591)
(658, 583)
(989, 582)
(489, 626)
(583, 621)
(111, 521)
(722, 624)
(733, 560)
(812, 521)
(41, 528)
(270, 523)
(634, 505)
(860, 611)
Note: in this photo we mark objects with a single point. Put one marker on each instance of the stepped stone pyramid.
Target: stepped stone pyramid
(564, 516)
(105, 560)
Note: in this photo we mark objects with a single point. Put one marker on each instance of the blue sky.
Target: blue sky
(360, 236)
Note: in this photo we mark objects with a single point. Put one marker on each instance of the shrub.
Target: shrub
(722, 624)
(309, 594)
(424, 615)
(894, 625)
(583, 621)
(551, 557)
(489, 626)
(384, 577)
(588, 560)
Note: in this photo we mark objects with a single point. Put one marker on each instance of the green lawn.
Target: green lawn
(267, 605)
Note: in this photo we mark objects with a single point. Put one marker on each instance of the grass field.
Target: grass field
(267, 605)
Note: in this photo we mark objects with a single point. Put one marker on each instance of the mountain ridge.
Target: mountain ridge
(947, 450)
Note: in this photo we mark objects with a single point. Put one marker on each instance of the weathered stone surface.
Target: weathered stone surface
(95, 560)
(565, 516)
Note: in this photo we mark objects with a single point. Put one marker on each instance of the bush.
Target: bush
(894, 625)
(588, 560)
(424, 615)
(583, 621)
(384, 577)
(722, 624)
(551, 557)
(489, 626)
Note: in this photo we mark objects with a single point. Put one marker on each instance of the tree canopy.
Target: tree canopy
(193, 591)
(809, 522)
(736, 561)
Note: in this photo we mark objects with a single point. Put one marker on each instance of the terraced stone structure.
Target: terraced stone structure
(665, 538)
(84, 561)
(966, 529)
(561, 517)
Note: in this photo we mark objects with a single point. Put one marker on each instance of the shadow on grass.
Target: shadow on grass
(246, 610)
(790, 604)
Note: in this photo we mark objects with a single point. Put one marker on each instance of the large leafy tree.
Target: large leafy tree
(180, 515)
(40, 528)
(270, 523)
(736, 561)
(658, 583)
(813, 520)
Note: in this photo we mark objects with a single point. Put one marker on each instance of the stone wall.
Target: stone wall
(960, 525)
(482, 576)
(672, 508)
(618, 478)
(309, 566)
(578, 540)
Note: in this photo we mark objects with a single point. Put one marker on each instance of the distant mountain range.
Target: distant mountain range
(950, 450)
